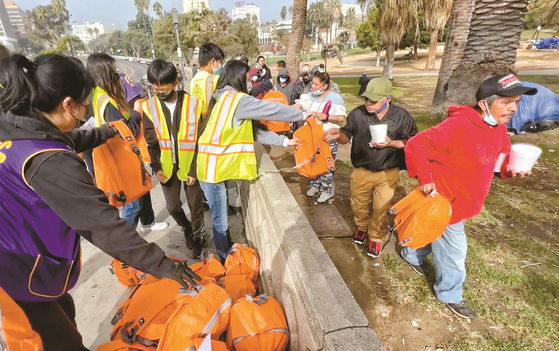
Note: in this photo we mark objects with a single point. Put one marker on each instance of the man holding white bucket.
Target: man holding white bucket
(379, 131)
(458, 159)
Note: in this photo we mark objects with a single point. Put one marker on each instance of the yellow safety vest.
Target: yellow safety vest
(225, 151)
(202, 87)
(188, 131)
(100, 101)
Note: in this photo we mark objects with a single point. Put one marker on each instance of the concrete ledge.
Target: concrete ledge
(295, 269)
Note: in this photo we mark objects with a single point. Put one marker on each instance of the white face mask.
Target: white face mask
(249, 86)
(283, 79)
(488, 117)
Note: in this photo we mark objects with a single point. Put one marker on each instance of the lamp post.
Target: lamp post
(175, 15)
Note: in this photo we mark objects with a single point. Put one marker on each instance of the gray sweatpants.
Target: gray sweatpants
(326, 181)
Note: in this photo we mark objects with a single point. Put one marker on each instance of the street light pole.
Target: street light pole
(175, 15)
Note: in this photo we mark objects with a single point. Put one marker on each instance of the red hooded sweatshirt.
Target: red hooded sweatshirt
(459, 156)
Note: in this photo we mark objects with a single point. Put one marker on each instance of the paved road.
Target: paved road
(135, 70)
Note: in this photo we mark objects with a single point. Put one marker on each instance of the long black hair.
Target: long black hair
(99, 66)
(41, 85)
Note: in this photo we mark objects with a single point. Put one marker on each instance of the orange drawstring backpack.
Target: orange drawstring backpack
(16, 333)
(125, 274)
(314, 157)
(119, 345)
(195, 344)
(238, 286)
(420, 220)
(279, 98)
(208, 267)
(257, 324)
(119, 167)
(203, 310)
(243, 260)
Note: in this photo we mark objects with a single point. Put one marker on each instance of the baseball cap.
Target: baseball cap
(377, 89)
(503, 85)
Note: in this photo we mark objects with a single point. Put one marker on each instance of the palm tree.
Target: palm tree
(482, 41)
(395, 17)
(90, 31)
(334, 10)
(551, 9)
(96, 31)
(318, 16)
(158, 9)
(436, 15)
(365, 5)
(297, 34)
(283, 13)
(290, 12)
(143, 8)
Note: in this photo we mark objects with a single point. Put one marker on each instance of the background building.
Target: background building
(111, 28)
(16, 18)
(346, 7)
(240, 11)
(87, 31)
(7, 34)
(195, 5)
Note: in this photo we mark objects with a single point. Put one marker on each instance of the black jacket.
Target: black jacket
(61, 179)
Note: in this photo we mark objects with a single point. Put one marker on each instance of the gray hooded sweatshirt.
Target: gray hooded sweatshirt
(289, 88)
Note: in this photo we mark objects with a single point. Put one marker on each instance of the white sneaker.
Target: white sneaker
(155, 226)
(312, 191)
(324, 196)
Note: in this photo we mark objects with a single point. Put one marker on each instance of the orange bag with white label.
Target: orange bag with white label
(257, 324)
(208, 267)
(279, 98)
(15, 331)
(243, 260)
(314, 157)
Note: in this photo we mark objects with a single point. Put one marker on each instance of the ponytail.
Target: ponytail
(41, 84)
(17, 77)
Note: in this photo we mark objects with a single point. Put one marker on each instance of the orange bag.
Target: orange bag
(203, 310)
(15, 331)
(124, 273)
(208, 267)
(195, 344)
(314, 157)
(119, 168)
(143, 317)
(119, 345)
(238, 286)
(243, 260)
(420, 220)
(279, 98)
(257, 324)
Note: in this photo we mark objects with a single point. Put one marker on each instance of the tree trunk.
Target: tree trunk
(431, 58)
(415, 50)
(297, 34)
(378, 58)
(389, 61)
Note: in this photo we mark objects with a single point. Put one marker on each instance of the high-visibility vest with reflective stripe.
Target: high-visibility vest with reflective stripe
(225, 151)
(100, 101)
(186, 139)
(202, 87)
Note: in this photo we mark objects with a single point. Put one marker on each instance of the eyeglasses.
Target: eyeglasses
(86, 106)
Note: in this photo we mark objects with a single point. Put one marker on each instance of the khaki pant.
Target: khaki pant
(367, 186)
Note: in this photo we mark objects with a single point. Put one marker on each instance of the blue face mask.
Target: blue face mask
(217, 71)
(488, 117)
(317, 93)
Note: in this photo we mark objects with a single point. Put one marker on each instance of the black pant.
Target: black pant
(195, 199)
(55, 322)
(147, 216)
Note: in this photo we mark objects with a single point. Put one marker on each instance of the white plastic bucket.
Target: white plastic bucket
(378, 133)
(524, 156)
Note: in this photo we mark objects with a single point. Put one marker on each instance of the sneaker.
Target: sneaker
(312, 191)
(324, 196)
(188, 238)
(373, 248)
(199, 245)
(461, 310)
(155, 226)
(417, 269)
(359, 237)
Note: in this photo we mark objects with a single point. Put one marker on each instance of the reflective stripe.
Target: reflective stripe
(184, 146)
(190, 108)
(155, 118)
(209, 88)
(3, 344)
(228, 103)
(211, 171)
(166, 144)
(215, 317)
(224, 150)
(275, 330)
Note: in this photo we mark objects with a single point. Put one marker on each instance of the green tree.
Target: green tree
(343, 41)
(318, 16)
(158, 9)
(368, 34)
(44, 27)
(64, 43)
(247, 33)
(283, 13)
(138, 42)
(352, 23)
(394, 20)
(436, 14)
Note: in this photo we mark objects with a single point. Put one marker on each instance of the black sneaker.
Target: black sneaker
(417, 269)
(359, 237)
(188, 238)
(461, 309)
(199, 245)
(373, 248)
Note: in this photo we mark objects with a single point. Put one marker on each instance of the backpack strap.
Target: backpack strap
(262, 299)
(115, 178)
(129, 139)
(119, 344)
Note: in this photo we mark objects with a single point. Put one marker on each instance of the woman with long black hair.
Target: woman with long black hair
(226, 145)
(49, 199)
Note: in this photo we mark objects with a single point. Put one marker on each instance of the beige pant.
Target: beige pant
(367, 186)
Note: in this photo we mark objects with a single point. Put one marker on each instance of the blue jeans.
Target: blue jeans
(216, 194)
(449, 256)
(131, 212)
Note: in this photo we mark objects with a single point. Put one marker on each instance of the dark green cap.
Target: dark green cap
(377, 89)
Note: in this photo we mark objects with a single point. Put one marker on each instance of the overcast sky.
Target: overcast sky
(121, 11)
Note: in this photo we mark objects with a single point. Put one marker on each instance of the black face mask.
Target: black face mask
(306, 80)
(166, 97)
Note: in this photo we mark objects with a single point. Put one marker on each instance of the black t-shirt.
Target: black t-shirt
(401, 126)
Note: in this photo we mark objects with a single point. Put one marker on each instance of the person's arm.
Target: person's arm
(251, 108)
(154, 149)
(90, 139)
(112, 114)
(266, 137)
(62, 181)
(408, 130)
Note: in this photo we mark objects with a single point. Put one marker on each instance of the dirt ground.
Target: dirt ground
(512, 264)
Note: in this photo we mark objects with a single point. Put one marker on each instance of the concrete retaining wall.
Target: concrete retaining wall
(295, 269)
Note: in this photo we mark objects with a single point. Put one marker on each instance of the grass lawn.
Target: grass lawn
(544, 33)
(513, 249)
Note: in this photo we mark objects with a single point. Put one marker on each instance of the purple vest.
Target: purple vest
(39, 254)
